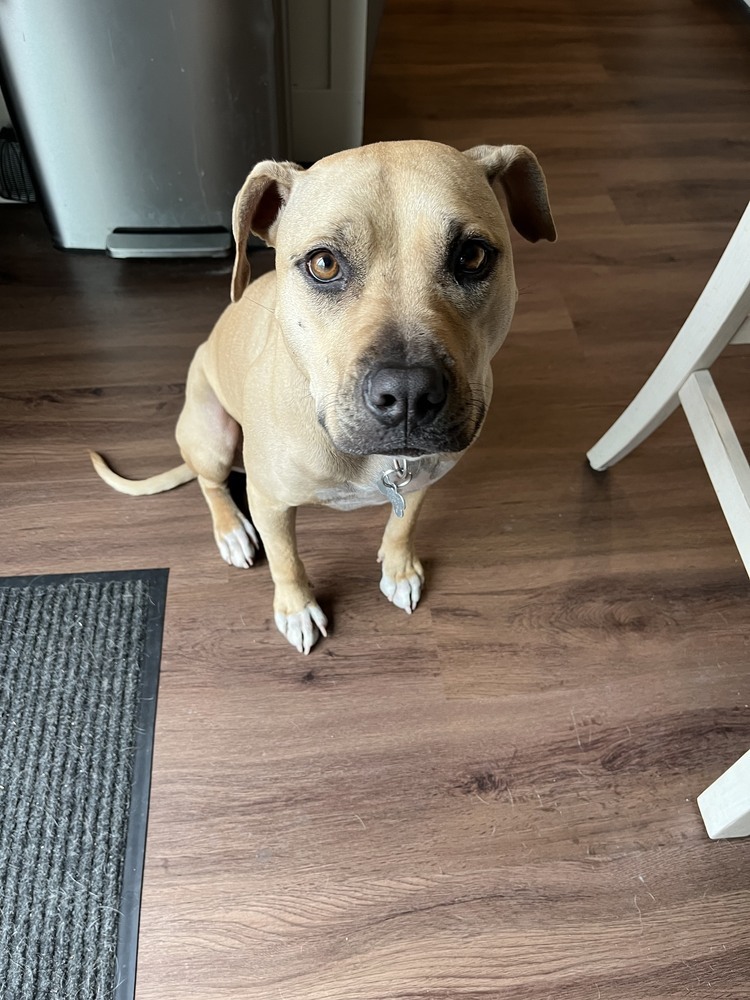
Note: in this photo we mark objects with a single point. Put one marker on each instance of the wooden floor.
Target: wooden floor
(494, 798)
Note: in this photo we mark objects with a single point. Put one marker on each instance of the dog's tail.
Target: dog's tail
(143, 487)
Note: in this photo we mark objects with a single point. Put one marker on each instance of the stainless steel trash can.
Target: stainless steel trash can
(142, 119)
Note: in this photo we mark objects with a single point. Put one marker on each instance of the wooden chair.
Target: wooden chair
(725, 805)
(721, 316)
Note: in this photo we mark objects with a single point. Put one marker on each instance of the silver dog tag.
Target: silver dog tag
(392, 481)
(392, 494)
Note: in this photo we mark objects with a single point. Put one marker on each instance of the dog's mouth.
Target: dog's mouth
(358, 434)
(362, 449)
(411, 452)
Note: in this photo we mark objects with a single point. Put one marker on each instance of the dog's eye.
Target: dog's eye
(323, 266)
(472, 260)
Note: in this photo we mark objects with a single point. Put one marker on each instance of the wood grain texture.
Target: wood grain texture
(493, 798)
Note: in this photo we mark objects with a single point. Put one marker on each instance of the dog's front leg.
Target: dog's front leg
(296, 612)
(403, 575)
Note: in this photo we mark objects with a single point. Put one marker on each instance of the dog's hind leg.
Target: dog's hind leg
(210, 440)
(403, 576)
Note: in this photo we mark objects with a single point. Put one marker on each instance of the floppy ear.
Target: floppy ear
(522, 179)
(257, 209)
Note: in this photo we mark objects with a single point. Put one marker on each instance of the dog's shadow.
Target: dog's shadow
(238, 490)
(237, 484)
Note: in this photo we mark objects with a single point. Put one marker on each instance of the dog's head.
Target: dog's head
(395, 283)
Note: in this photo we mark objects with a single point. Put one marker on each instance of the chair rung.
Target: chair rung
(722, 454)
(743, 334)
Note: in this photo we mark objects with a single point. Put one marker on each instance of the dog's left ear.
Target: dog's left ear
(257, 209)
(525, 188)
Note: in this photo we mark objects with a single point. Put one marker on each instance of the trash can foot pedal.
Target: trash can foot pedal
(169, 243)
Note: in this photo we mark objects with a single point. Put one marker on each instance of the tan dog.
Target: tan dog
(359, 371)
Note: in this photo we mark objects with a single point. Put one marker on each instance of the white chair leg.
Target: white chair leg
(722, 453)
(716, 317)
(725, 805)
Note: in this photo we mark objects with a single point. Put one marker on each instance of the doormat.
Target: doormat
(79, 674)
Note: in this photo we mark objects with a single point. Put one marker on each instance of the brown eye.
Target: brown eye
(472, 258)
(323, 266)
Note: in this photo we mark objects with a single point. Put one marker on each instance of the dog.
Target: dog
(359, 371)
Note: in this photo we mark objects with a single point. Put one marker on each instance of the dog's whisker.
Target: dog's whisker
(261, 305)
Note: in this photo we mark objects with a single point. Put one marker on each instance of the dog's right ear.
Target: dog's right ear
(257, 209)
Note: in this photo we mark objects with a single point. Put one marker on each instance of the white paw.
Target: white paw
(303, 628)
(403, 593)
(239, 546)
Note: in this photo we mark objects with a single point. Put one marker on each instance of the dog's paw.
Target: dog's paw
(304, 628)
(239, 544)
(404, 591)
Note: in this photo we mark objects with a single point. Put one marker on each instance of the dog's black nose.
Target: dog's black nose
(409, 395)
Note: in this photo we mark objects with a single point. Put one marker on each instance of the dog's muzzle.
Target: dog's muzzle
(397, 408)
(409, 397)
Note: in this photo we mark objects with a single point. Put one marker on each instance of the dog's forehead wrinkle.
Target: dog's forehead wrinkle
(403, 198)
(355, 238)
(342, 234)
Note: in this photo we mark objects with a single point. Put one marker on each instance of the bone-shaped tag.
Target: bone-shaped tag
(392, 494)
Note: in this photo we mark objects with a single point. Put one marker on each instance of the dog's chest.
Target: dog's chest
(350, 496)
